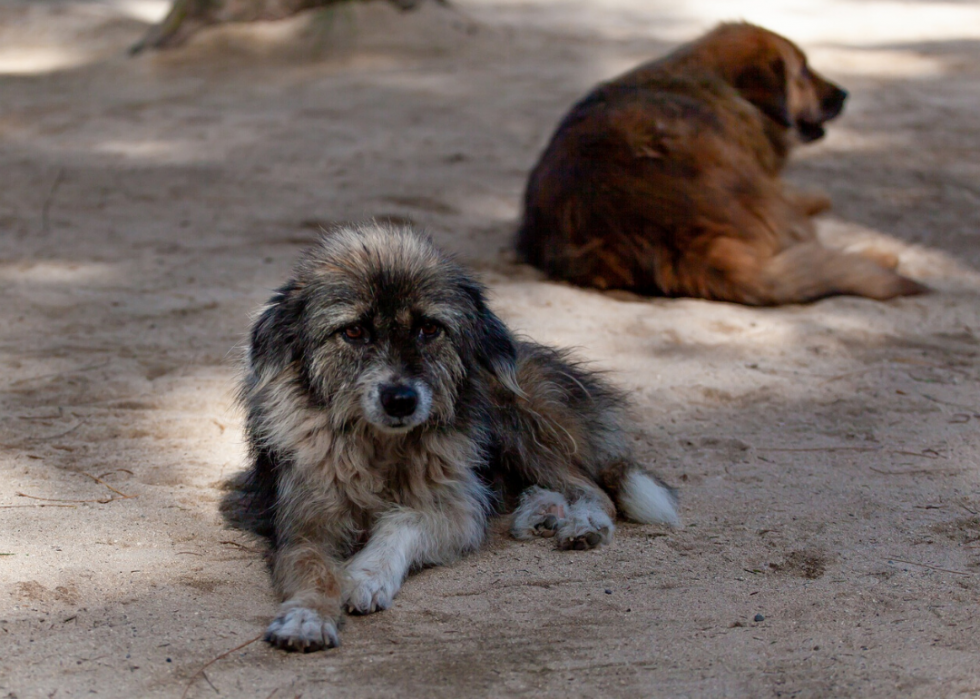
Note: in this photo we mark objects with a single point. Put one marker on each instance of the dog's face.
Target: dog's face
(383, 330)
(772, 73)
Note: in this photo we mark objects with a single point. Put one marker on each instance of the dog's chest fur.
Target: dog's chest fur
(357, 474)
(340, 478)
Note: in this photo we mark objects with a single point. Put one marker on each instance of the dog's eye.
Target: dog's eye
(429, 330)
(355, 333)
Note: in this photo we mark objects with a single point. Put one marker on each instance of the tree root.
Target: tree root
(186, 17)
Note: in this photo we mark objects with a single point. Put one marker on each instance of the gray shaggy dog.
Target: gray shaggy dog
(390, 412)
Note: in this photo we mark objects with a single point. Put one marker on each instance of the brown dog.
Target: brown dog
(665, 181)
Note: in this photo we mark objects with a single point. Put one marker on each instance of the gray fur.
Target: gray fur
(389, 410)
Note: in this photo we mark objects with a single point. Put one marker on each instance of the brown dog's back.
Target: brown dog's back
(665, 181)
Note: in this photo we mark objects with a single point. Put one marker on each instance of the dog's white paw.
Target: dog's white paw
(540, 513)
(302, 629)
(586, 527)
(369, 591)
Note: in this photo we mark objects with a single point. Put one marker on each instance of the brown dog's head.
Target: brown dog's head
(772, 73)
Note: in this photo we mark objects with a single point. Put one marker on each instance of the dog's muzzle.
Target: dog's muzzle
(398, 401)
(397, 405)
(833, 103)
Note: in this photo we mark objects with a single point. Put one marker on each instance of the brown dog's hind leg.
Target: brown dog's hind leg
(799, 274)
(810, 271)
(809, 203)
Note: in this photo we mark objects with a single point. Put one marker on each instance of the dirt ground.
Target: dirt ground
(827, 456)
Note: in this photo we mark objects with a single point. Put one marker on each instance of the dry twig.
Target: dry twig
(208, 664)
(49, 200)
(819, 449)
(926, 565)
(102, 501)
(35, 497)
(54, 374)
(241, 546)
(913, 471)
(925, 454)
(122, 496)
(12, 507)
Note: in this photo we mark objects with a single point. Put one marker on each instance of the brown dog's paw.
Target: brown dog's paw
(881, 258)
(910, 287)
(892, 286)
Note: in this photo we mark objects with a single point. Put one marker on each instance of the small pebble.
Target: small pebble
(608, 591)
(169, 660)
(759, 617)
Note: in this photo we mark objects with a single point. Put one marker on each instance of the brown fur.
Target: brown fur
(665, 181)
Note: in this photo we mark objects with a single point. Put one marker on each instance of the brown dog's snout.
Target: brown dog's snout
(833, 102)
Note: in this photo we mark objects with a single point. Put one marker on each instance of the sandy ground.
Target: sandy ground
(827, 455)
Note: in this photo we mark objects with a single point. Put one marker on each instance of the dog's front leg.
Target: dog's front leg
(308, 579)
(404, 538)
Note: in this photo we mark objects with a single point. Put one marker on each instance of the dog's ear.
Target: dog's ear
(764, 84)
(276, 332)
(496, 350)
(492, 342)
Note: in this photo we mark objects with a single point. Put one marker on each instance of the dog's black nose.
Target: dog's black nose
(399, 401)
(833, 103)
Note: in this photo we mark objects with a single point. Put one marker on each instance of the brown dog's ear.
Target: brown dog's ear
(765, 86)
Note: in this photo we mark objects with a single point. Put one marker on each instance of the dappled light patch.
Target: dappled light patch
(143, 10)
(879, 62)
(37, 60)
(59, 272)
(173, 152)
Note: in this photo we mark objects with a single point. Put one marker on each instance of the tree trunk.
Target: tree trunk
(188, 16)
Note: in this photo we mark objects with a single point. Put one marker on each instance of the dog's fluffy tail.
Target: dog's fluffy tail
(643, 498)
